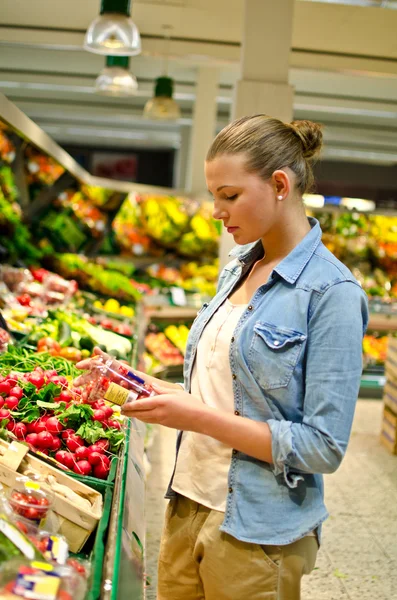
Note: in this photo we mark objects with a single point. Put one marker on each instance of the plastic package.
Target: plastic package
(115, 382)
(30, 501)
(39, 580)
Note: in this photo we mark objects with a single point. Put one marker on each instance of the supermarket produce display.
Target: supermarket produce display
(88, 263)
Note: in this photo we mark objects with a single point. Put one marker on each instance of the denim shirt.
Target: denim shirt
(296, 363)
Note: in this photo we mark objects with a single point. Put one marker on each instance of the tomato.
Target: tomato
(34, 514)
(24, 299)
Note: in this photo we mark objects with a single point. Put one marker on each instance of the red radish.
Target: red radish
(1, 401)
(95, 448)
(81, 453)
(12, 378)
(108, 410)
(5, 387)
(56, 444)
(43, 451)
(83, 467)
(11, 425)
(65, 396)
(31, 438)
(2, 378)
(101, 471)
(59, 380)
(20, 431)
(39, 427)
(11, 402)
(98, 404)
(95, 458)
(44, 439)
(65, 458)
(53, 425)
(104, 444)
(4, 413)
(73, 442)
(17, 392)
(67, 433)
(31, 427)
(45, 418)
(115, 424)
(99, 415)
(36, 379)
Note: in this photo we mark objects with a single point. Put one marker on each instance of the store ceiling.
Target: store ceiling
(343, 68)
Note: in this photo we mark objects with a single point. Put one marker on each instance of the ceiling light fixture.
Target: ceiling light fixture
(116, 79)
(113, 32)
(162, 106)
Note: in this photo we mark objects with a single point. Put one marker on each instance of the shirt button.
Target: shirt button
(237, 413)
(230, 490)
(250, 307)
(234, 376)
(212, 348)
(232, 340)
(276, 343)
(234, 452)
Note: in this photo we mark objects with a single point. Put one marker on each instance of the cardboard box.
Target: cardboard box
(388, 435)
(391, 360)
(74, 522)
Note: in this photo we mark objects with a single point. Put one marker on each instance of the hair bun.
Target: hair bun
(311, 137)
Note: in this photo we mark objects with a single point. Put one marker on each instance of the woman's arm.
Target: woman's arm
(180, 410)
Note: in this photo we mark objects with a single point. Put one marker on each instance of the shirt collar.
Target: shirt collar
(293, 264)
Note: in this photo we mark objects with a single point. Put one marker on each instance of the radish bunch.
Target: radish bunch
(50, 433)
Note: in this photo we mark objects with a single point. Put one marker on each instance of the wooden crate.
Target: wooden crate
(74, 522)
(388, 435)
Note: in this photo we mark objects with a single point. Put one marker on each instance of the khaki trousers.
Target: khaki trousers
(199, 562)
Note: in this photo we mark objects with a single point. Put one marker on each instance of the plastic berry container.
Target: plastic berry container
(116, 383)
(30, 501)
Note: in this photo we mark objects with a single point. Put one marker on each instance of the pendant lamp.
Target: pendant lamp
(113, 32)
(116, 79)
(162, 106)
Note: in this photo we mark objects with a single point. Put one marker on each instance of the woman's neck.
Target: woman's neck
(282, 239)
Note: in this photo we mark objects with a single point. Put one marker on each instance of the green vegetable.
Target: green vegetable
(65, 334)
(86, 343)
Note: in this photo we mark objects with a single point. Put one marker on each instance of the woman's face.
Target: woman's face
(245, 203)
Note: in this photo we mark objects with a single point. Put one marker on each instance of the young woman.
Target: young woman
(272, 373)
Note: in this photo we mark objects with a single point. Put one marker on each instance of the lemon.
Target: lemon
(112, 305)
(127, 311)
(97, 304)
(85, 353)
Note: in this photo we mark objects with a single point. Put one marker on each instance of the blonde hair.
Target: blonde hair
(270, 144)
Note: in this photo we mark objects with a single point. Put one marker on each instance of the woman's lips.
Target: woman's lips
(231, 229)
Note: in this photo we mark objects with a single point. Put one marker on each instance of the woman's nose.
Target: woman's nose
(218, 212)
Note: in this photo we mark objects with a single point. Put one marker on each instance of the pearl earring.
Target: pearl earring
(279, 197)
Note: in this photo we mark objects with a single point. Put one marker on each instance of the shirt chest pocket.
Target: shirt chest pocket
(273, 354)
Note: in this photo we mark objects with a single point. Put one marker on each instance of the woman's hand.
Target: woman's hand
(172, 408)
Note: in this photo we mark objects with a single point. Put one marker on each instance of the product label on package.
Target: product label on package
(119, 395)
(37, 582)
(16, 538)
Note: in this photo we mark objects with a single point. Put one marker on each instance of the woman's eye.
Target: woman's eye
(231, 197)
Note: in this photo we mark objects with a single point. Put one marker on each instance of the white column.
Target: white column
(203, 128)
(263, 86)
(180, 168)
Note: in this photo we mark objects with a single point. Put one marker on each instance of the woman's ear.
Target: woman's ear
(281, 184)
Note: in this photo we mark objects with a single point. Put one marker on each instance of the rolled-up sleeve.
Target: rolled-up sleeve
(332, 373)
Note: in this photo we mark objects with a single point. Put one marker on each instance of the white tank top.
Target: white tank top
(203, 463)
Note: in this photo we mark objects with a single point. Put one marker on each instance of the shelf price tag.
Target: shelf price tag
(178, 296)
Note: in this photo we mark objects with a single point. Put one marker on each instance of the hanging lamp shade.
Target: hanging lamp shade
(113, 32)
(116, 79)
(162, 105)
